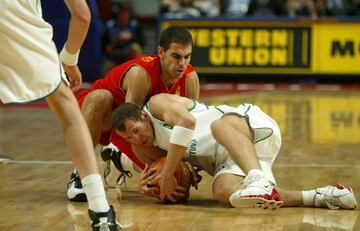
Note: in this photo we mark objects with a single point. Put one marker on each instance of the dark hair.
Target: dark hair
(124, 112)
(175, 34)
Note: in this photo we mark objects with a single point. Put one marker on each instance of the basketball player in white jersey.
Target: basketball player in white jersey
(235, 145)
(31, 69)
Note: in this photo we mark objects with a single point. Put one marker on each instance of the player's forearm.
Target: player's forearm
(174, 156)
(193, 87)
(79, 24)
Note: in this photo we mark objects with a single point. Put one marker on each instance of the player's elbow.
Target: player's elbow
(83, 17)
(188, 121)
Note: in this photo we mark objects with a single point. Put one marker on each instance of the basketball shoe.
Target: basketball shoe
(335, 197)
(104, 221)
(258, 193)
(114, 173)
(75, 191)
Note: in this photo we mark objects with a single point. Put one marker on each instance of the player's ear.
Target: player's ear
(160, 51)
(143, 115)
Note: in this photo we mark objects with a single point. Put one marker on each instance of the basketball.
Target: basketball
(183, 176)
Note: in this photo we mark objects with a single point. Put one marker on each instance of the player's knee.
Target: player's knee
(98, 102)
(217, 127)
(99, 97)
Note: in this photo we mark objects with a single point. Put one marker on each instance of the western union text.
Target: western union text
(245, 46)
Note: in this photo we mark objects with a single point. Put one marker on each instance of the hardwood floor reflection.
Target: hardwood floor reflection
(33, 184)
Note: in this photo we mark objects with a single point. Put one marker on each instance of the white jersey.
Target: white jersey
(29, 64)
(203, 151)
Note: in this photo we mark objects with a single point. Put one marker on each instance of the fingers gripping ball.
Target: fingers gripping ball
(183, 176)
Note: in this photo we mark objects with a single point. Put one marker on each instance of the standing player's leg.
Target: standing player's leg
(96, 108)
(78, 141)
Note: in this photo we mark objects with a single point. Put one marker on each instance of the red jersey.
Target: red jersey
(151, 64)
(112, 82)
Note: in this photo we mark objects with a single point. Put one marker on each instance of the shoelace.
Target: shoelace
(122, 178)
(123, 173)
(252, 178)
(74, 178)
(330, 201)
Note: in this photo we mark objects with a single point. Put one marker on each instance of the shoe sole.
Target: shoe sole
(257, 202)
(79, 198)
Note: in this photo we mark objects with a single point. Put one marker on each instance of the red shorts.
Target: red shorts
(111, 136)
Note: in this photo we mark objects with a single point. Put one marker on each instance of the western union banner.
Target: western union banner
(336, 48)
(300, 47)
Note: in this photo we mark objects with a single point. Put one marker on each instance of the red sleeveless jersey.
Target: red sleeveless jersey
(112, 81)
(151, 64)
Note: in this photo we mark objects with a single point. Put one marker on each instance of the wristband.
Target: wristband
(68, 58)
(181, 136)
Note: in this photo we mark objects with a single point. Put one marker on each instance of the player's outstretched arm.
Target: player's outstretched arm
(173, 110)
(78, 28)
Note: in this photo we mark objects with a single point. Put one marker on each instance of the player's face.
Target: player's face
(138, 132)
(175, 59)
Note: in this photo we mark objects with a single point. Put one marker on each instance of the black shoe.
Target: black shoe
(112, 156)
(75, 191)
(104, 221)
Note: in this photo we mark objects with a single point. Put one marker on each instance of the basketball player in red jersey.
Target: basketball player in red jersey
(135, 81)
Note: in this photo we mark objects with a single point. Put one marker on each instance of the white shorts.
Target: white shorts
(267, 142)
(29, 64)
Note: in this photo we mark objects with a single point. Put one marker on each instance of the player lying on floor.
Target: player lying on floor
(237, 146)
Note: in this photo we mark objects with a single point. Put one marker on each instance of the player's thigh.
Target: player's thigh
(231, 122)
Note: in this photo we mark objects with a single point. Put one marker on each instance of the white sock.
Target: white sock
(95, 193)
(309, 197)
(126, 163)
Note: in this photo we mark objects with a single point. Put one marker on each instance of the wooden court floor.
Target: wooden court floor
(321, 145)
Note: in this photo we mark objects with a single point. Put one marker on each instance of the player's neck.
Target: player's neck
(167, 79)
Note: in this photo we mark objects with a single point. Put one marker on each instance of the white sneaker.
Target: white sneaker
(104, 221)
(259, 193)
(335, 197)
(75, 190)
(114, 173)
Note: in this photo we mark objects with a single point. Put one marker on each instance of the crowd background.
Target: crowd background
(124, 29)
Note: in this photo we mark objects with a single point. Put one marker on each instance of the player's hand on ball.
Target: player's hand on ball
(196, 178)
(169, 190)
(178, 190)
(146, 177)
